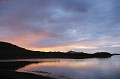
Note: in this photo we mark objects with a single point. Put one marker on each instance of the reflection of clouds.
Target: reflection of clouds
(104, 64)
(80, 68)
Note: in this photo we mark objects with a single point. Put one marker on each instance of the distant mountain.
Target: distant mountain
(10, 51)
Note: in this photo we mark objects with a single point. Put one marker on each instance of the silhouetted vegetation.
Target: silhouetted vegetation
(102, 54)
(10, 51)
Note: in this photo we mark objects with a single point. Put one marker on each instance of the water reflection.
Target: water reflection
(77, 69)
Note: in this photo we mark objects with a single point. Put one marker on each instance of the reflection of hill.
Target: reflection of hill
(10, 51)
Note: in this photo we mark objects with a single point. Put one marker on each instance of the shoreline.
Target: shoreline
(7, 71)
(6, 74)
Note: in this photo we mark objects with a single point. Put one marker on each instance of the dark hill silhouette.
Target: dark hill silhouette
(10, 51)
(7, 48)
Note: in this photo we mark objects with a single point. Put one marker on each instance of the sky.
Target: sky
(61, 25)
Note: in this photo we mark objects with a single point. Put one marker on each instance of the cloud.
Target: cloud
(60, 23)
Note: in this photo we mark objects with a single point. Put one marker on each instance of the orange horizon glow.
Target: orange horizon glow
(62, 48)
(85, 46)
(61, 25)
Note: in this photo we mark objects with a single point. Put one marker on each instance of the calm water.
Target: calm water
(75, 68)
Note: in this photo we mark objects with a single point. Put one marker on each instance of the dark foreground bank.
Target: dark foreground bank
(4, 74)
(7, 71)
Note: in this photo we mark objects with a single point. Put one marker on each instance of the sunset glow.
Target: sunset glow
(61, 25)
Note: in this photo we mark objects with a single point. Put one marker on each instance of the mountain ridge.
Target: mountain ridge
(11, 51)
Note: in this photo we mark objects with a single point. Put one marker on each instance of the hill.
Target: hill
(10, 51)
(8, 48)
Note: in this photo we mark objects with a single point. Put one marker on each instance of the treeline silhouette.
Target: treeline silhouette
(10, 51)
